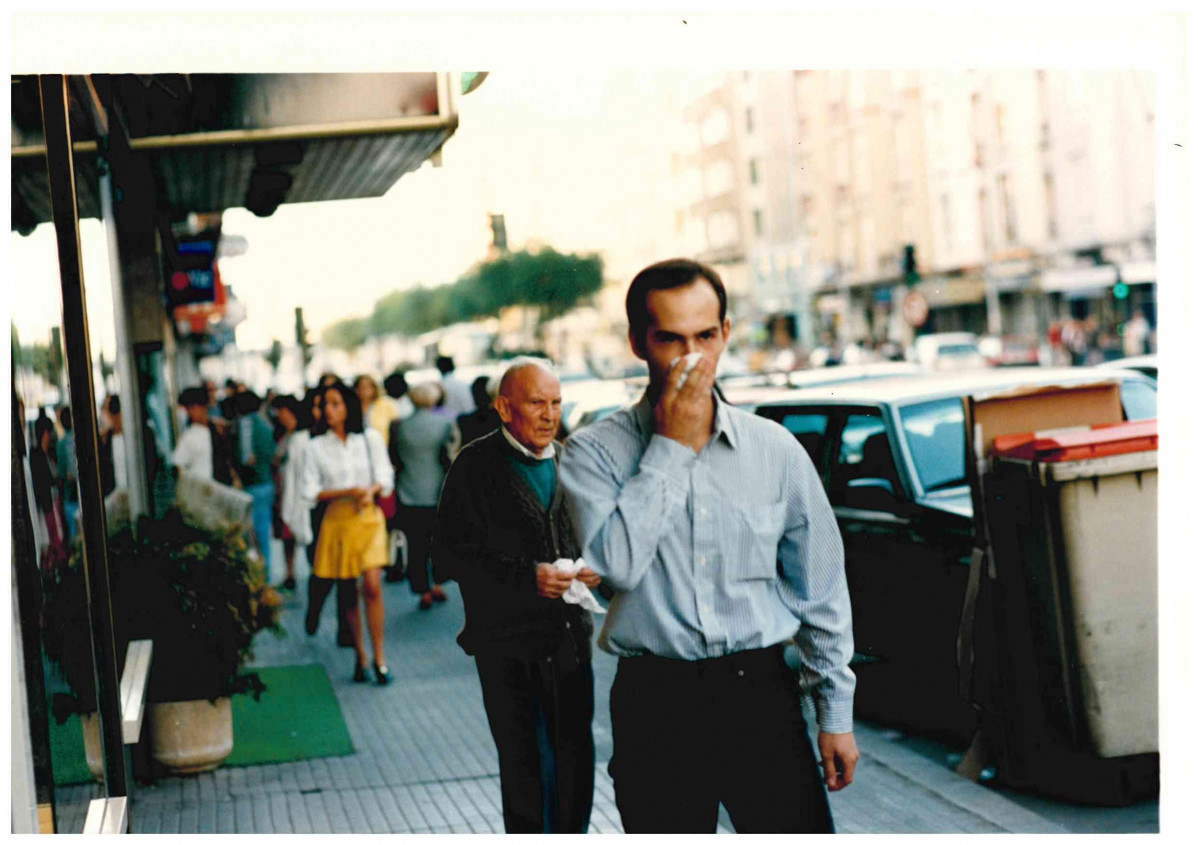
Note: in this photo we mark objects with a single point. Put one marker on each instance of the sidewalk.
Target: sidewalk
(425, 761)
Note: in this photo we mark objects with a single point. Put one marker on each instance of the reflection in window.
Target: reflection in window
(1139, 400)
(935, 433)
(809, 430)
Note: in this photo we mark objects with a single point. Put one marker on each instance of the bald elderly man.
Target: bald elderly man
(501, 524)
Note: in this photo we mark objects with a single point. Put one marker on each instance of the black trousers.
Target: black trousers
(417, 526)
(689, 735)
(540, 715)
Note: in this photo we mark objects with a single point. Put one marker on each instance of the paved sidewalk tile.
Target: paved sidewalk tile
(425, 761)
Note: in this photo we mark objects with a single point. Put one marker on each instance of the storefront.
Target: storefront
(954, 304)
(142, 154)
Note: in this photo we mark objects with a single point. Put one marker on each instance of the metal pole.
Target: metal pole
(60, 164)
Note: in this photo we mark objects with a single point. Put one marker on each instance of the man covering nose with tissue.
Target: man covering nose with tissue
(503, 533)
(713, 529)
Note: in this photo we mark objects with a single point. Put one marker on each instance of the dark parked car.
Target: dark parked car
(891, 454)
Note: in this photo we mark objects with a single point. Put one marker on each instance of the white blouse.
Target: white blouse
(331, 464)
(293, 508)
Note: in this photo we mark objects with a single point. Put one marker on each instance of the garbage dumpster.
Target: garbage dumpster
(1071, 516)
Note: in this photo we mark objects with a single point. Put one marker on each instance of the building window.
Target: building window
(1050, 204)
(753, 174)
(749, 119)
(808, 205)
(758, 222)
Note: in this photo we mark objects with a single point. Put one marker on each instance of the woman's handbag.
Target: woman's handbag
(387, 504)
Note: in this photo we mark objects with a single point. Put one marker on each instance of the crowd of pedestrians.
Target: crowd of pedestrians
(709, 526)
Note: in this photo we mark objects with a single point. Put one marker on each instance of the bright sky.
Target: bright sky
(573, 160)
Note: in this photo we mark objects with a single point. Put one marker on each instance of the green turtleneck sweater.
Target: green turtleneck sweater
(540, 475)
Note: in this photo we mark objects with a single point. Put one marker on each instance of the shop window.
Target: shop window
(749, 120)
(753, 171)
(758, 222)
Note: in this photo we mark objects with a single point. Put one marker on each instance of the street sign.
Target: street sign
(915, 309)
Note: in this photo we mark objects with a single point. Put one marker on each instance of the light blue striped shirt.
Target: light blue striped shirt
(732, 549)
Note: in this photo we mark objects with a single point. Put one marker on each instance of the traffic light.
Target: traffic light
(301, 337)
(1120, 290)
(498, 232)
(910, 274)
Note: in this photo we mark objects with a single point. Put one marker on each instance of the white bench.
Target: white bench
(133, 689)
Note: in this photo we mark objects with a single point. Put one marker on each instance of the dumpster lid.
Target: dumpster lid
(1079, 443)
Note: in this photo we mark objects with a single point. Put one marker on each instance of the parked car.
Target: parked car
(1010, 350)
(891, 455)
(948, 351)
(1145, 364)
(749, 391)
(584, 402)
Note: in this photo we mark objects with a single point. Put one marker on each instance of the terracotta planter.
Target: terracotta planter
(91, 744)
(191, 736)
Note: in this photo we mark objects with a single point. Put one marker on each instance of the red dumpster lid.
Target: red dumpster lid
(1077, 444)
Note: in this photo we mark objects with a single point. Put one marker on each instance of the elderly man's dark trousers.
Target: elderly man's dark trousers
(540, 714)
(689, 735)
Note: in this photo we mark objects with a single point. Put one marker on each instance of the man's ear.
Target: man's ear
(727, 329)
(637, 348)
(504, 407)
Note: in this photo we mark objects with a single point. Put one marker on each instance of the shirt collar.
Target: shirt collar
(545, 455)
(725, 421)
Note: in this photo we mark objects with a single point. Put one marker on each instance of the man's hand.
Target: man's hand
(838, 755)
(551, 581)
(684, 414)
(589, 577)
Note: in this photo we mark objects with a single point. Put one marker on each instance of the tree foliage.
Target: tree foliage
(347, 334)
(552, 282)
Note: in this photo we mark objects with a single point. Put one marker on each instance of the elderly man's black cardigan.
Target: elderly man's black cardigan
(491, 532)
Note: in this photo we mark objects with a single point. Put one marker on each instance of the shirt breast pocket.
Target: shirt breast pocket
(758, 530)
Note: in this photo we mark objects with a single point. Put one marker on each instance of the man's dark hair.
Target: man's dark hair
(114, 404)
(395, 385)
(478, 388)
(64, 417)
(445, 364)
(194, 396)
(664, 275)
(353, 410)
(248, 403)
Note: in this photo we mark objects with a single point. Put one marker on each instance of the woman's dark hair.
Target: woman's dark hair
(353, 409)
(664, 275)
(301, 410)
(64, 417)
(41, 427)
(114, 404)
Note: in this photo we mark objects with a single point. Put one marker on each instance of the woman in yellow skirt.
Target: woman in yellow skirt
(345, 468)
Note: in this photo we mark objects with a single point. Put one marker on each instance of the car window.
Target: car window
(1139, 399)
(864, 455)
(809, 430)
(935, 434)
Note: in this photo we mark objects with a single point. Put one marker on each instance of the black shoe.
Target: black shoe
(311, 621)
(382, 674)
(289, 584)
(359, 673)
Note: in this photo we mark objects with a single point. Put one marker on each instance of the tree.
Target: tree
(347, 334)
(275, 355)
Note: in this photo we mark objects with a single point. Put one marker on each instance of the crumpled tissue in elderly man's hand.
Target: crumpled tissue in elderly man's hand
(578, 592)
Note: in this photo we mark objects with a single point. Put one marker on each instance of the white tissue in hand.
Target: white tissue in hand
(578, 592)
(691, 360)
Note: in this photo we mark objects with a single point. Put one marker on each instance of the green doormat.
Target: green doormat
(297, 718)
(67, 757)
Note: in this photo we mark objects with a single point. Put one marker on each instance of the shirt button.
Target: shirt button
(740, 672)
(702, 561)
(702, 511)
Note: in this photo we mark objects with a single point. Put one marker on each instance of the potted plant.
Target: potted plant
(195, 592)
